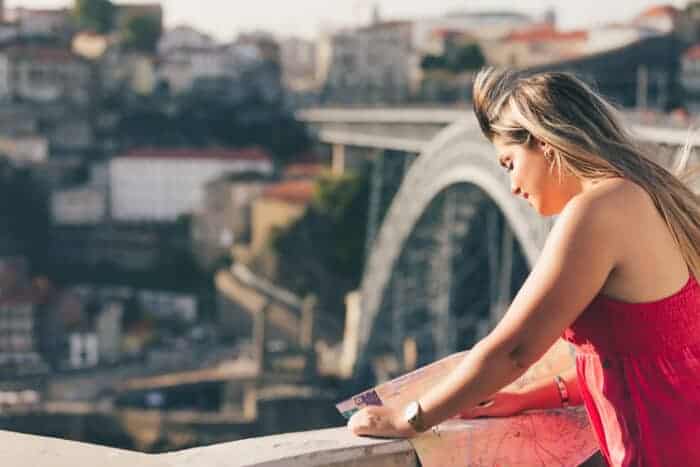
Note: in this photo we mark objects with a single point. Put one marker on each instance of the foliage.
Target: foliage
(323, 252)
(433, 62)
(24, 214)
(200, 121)
(466, 58)
(96, 15)
(142, 33)
(457, 59)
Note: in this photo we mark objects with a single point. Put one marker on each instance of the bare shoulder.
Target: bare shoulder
(614, 203)
(622, 218)
(606, 216)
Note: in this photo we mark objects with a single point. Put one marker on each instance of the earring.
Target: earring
(549, 155)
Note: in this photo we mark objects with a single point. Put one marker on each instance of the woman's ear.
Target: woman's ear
(539, 144)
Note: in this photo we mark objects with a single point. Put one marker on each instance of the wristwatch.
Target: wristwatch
(563, 392)
(413, 414)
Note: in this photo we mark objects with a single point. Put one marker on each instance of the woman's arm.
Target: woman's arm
(577, 258)
(541, 394)
(544, 394)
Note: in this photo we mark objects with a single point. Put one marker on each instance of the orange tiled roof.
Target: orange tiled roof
(254, 153)
(291, 191)
(545, 32)
(659, 10)
(446, 33)
(44, 54)
(45, 11)
(141, 7)
(304, 170)
(692, 53)
(386, 25)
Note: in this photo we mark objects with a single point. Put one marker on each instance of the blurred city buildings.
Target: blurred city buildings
(144, 186)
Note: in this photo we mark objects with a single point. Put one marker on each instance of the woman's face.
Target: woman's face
(533, 178)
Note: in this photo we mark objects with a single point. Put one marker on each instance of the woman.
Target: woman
(616, 277)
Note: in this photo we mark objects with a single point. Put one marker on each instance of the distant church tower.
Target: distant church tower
(376, 16)
(550, 17)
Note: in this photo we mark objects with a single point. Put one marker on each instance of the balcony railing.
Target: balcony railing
(335, 447)
(330, 447)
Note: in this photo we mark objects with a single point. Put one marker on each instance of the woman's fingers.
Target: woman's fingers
(478, 410)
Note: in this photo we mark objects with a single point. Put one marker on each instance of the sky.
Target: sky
(224, 19)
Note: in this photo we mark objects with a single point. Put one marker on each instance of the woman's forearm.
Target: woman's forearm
(479, 375)
(544, 394)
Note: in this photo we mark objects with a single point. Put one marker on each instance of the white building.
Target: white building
(43, 74)
(184, 37)
(109, 332)
(298, 57)
(186, 54)
(484, 26)
(181, 67)
(162, 184)
(612, 36)
(661, 18)
(381, 62)
(168, 306)
(9, 30)
(376, 63)
(536, 45)
(41, 22)
(225, 217)
(78, 206)
(25, 150)
(134, 71)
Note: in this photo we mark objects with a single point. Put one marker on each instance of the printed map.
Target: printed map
(560, 437)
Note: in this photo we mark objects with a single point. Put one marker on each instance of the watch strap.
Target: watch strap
(563, 391)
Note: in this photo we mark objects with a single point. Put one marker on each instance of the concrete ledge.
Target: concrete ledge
(20, 450)
(331, 447)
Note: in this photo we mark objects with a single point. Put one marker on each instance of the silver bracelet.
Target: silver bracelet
(563, 392)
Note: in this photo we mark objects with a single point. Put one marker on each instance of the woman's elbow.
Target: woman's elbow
(524, 357)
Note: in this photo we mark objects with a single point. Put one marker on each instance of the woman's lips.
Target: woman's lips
(525, 195)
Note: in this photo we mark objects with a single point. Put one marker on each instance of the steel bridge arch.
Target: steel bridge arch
(458, 154)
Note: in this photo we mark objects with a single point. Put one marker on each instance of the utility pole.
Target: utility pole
(642, 87)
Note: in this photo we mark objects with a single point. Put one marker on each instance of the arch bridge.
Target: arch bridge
(448, 245)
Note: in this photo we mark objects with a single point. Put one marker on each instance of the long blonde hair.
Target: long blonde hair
(589, 141)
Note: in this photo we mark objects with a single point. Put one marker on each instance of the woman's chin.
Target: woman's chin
(546, 211)
(538, 207)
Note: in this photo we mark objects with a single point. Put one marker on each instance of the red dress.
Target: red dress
(638, 367)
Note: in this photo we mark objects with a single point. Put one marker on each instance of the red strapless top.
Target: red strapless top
(638, 367)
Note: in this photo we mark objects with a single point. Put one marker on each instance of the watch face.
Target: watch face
(411, 411)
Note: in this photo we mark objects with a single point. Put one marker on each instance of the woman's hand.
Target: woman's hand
(380, 421)
(501, 404)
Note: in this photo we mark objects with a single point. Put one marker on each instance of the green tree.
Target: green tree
(323, 252)
(432, 62)
(142, 33)
(456, 59)
(97, 15)
(467, 57)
